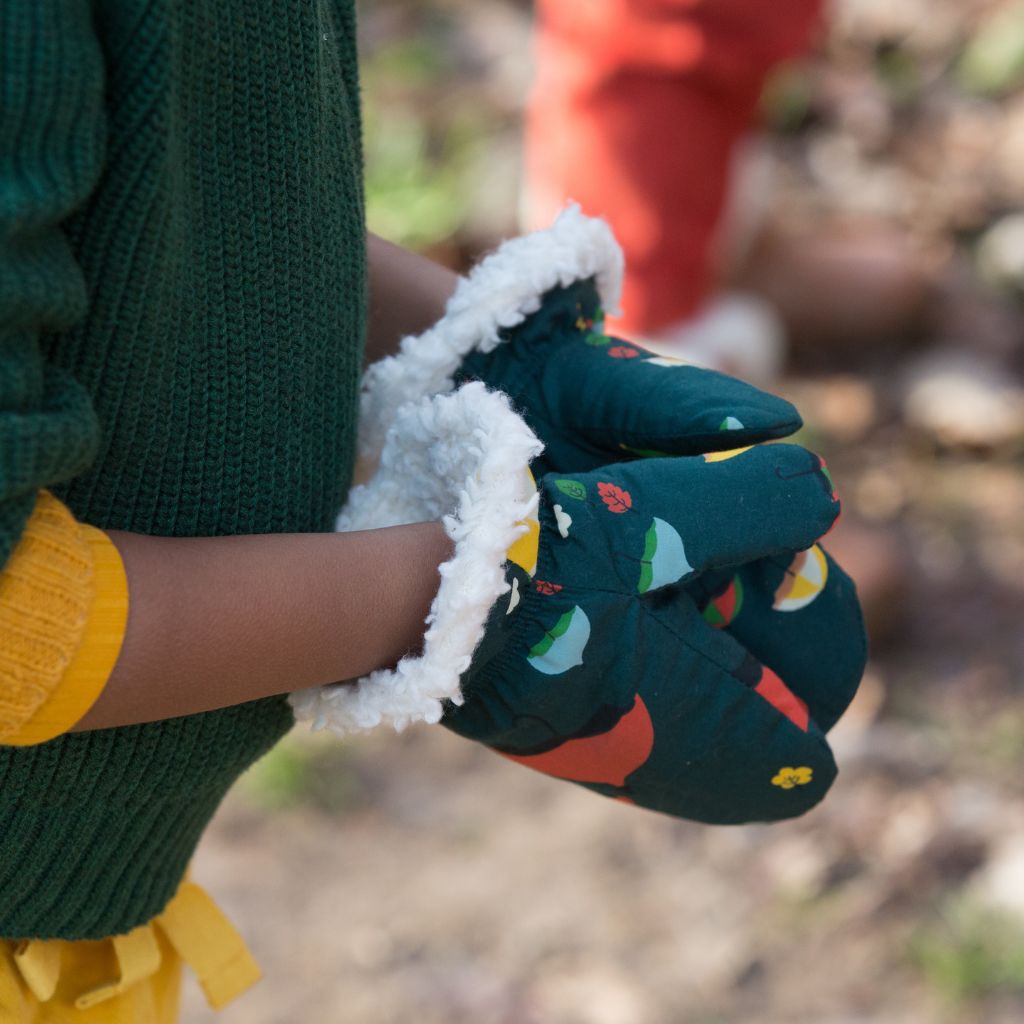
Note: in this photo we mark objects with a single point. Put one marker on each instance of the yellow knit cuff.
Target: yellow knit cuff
(63, 611)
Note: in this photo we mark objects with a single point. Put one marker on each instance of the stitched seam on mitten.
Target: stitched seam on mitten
(730, 678)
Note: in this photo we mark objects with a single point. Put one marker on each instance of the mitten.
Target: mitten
(798, 613)
(564, 634)
(529, 320)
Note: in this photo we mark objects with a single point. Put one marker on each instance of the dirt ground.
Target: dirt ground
(417, 878)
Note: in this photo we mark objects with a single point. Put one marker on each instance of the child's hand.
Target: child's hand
(597, 665)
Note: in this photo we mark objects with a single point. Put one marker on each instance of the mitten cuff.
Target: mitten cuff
(462, 458)
(499, 293)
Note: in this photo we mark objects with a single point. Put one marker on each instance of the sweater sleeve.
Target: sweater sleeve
(52, 134)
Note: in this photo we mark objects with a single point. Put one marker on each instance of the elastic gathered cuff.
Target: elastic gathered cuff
(63, 612)
(462, 458)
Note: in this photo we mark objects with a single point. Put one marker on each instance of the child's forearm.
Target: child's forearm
(215, 621)
(408, 293)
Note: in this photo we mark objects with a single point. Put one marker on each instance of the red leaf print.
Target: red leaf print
(543, 587)
(622, 352)
(615, 498)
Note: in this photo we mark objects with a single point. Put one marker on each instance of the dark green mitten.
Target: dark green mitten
(528, 321)
(595, 664)
(593, 398)
(797, 613)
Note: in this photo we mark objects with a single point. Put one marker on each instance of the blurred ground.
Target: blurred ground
(419, 879)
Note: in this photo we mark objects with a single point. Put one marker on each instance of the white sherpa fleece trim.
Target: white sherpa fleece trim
(500, 292)
(462, 458)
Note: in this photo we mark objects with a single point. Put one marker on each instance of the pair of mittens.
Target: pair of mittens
(592, 398)
(566, 634)
(654, 619)
(603, 669)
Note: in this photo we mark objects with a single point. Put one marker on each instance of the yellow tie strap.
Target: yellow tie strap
(138, 958)
(208, 942)
(196, 929)
(39, 965)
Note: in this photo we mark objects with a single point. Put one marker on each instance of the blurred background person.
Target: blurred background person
(639, 111)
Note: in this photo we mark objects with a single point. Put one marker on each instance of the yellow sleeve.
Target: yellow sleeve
(63, 611)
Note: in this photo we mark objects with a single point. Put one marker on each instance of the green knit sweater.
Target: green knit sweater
(182, 303)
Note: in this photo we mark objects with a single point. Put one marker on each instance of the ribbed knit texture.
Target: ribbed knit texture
(182, 295)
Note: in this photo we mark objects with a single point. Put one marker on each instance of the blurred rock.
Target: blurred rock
(591, 994)
(841, 291)
(964, 401)
(877, 561)
(798, 865)
(1000, 254)
(881, 493)
(1000, 883)
(842, 406)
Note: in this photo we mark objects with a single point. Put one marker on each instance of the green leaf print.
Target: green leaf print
(573, 488)
(646, 571)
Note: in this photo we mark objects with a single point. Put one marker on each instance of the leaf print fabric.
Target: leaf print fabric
(573, 488)
(668, 641)
(614, 497)
(624, 682)
(712, 531)
(589, 396)
(664, 558)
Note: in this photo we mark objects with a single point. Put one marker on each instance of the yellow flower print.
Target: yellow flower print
(787, 778)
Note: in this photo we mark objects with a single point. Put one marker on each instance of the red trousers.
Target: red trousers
(636, 110)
